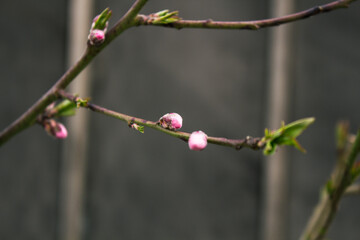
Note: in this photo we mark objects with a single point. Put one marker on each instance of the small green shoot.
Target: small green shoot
(286, 135)
(102, 19)
(65, 108)
(165, 17)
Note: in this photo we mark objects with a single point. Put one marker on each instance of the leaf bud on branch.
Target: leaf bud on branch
(99, 27)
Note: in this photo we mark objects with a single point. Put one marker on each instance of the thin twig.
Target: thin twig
(29, 117)
(248, 142)
(353, 190)
(251, 25)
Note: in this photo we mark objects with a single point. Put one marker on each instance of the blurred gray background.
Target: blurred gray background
(129, 185)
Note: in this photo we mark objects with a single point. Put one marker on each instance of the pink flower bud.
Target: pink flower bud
(60, 131)
(55, 129)
(96, 36)
(197, 141)
(172, 121)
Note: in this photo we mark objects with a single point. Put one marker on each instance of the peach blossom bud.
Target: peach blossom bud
(96, 36)
(197, 141)
(172, 121)
(55, 129)
(60, 131)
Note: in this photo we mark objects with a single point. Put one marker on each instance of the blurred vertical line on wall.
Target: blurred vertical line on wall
(276, 206)
(74, 155)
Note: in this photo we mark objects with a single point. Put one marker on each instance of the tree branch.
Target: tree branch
(342, 177)
(29, 117)
(248, 142)
(251, 25)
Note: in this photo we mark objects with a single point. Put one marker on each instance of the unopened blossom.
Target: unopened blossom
(55, 129)
(96, 36)
(98, 30)
(61, 131)
(197, 141)
(172, 121)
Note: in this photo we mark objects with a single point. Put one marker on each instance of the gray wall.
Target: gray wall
(32, 48)
(150, 185)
